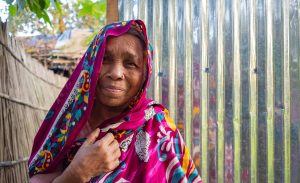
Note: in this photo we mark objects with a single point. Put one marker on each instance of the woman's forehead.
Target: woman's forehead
(126, 46)
(124, 43)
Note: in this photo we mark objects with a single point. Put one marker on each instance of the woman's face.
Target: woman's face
(122, 73)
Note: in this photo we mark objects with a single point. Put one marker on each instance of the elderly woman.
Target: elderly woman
(102, 128)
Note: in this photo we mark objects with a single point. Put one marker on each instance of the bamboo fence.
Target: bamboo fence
(27, 90)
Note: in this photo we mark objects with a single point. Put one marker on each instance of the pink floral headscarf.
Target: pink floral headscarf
(152, 149)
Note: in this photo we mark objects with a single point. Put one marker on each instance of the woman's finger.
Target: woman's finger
(116, 163)
(117, 153)
(113, 165)
(92, 137)
(108, 139)
(114, 144)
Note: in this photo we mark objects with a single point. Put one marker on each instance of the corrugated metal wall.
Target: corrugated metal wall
(228, 70)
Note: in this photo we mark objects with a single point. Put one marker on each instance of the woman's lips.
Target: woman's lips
(113, 89)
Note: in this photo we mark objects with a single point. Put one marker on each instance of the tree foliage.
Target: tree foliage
(90, 14)
(36, 13)
(38, 7)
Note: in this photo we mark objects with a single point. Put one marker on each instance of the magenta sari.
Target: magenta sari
(152, 149)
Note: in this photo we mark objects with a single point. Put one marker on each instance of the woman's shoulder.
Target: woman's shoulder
(159, 117)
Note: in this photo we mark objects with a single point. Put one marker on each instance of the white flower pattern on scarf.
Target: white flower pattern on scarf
(125, 143)
(149, 113)
(165, 139)
(142, 145)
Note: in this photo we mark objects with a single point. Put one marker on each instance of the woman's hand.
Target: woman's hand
(95, 157)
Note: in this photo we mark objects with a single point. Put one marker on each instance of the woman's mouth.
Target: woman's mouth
(113, 89)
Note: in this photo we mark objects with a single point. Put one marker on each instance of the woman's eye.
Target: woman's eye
(132, 64)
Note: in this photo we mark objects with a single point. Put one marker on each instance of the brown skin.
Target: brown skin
(121, 77)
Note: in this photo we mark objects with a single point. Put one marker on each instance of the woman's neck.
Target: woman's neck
(101, 113)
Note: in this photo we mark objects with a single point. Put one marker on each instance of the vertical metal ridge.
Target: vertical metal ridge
(121, 10)
(253, 95)
(298, 86)
(220, 91)
(172, 59)
(286, 93)
(204, 91)
(188, 74)
(269, 92)
(143, 14)
(157, 29)
(128, 10)
(236, 91)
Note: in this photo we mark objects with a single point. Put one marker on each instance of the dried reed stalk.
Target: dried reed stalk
(27, 90)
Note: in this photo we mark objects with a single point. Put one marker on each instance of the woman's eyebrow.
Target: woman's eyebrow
(130, 55)
(125, 53)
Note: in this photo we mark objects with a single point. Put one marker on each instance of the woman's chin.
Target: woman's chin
(113, 103)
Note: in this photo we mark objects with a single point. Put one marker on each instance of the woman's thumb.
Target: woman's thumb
(92, 137)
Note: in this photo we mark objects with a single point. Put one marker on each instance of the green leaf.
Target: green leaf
(46, 17)
(102, 6)
(12, 10)
(86, 10)
(97, 12)
(36, 7)
(42, 4)
(36, 4)
(38, 13)
(31, 6)
(57, 6)
(47, 4)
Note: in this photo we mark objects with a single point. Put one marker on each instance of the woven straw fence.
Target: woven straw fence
(27, 90)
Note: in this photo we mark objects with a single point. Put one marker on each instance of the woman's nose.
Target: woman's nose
(116, 71)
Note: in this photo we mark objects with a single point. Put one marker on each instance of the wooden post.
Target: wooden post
(112, 12)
